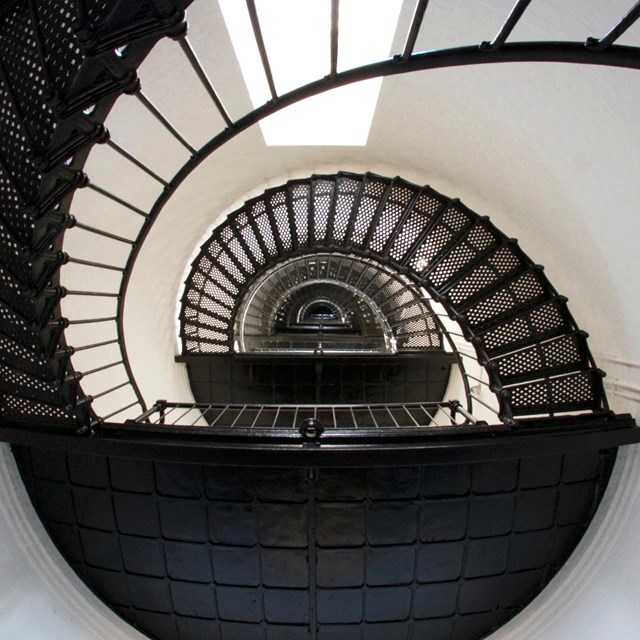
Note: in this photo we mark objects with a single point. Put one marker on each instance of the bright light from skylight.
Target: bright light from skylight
(297, 39)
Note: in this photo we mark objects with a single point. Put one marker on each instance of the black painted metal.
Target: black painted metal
(329, 379)
(101, 232)
(627, 21)
(89, 320)
(508, 26)
(278, 420)
(125, 154)
(426, 229)
(335, 16)
(502, 301)
(117, 199)
(164, 121)
(201, 551)
(335, 449)
(559, 52)
(257, 32)
(41, 45)
(204, 79)
(75, 63)
(414, 30)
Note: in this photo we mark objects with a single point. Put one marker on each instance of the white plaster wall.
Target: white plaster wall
(41, 597)
(550, 152)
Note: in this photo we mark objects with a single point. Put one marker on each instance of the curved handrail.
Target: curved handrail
(565, 52)
(593, 51)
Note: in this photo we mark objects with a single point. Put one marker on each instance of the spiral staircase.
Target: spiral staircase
(371, 514)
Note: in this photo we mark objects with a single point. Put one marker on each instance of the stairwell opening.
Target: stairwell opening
(154, 537)
(424, 279)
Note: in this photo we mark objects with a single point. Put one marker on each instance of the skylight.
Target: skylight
(298, 56)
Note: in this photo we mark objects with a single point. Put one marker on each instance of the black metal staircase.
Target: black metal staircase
(392, 531)
(523, 334)
(82, 55)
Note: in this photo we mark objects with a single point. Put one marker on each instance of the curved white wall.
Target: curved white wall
(41, 597)
(550, 152)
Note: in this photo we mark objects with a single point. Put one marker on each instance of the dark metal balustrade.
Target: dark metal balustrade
(238, 528)
(285, 418)
(60, 73)
(80, 56)
(537, 360)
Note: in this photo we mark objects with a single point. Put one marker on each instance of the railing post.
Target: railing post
(161, 406)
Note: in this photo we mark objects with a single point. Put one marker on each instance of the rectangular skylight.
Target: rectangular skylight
(297, 39)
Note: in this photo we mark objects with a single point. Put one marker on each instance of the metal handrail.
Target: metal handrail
(333, 417)
(599, 52)
(615, 55)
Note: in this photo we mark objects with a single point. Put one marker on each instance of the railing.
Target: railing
(278, 102)
(103, 48)
(310, 421)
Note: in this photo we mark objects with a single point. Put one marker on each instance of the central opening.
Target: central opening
(320, 313)
(328, 328)
(339, 295)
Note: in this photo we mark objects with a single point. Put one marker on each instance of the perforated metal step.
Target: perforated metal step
(501, 299)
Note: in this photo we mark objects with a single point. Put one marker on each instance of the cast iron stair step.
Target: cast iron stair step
(322, 192)
(563, 354)
(15, 381)
(543, 321)
(398, 201)
(12, 257)
(298, 212)
(342, 205)
(473, 247)
(504, 263)
(275, 201)
(444, 233)
(25, 359)
(207, 269)
(12, 293)
(250, 240)
(22, 409)
(17, 327)
(507, 300)
(577, 391)
(229, 256)
(423, 212)
(364, 210)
